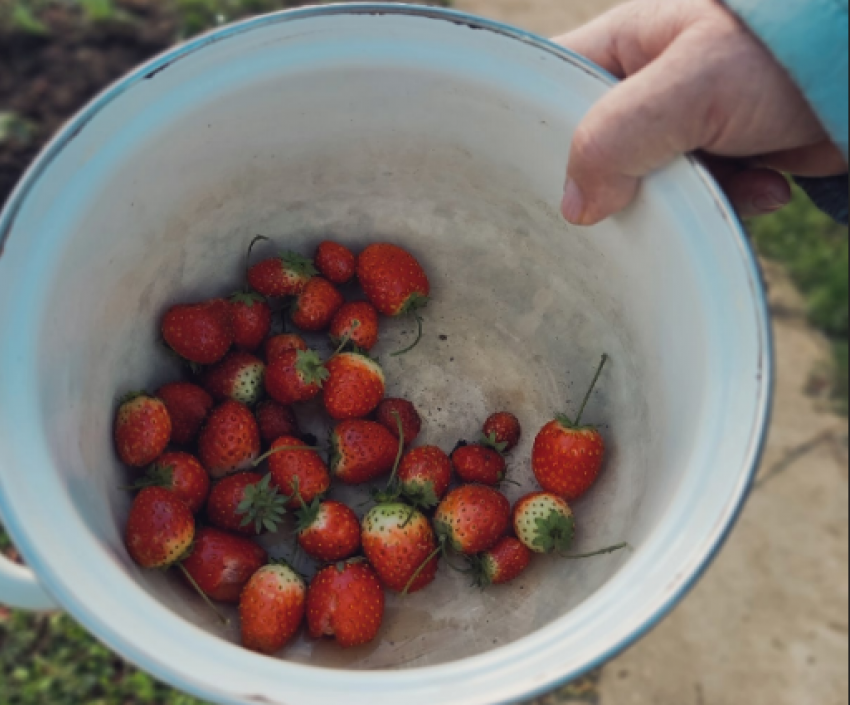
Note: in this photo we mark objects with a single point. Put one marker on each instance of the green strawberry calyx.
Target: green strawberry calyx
(310, 367)
(247, 297)
(132, 396)
(481, 569)
(491, 442)
(554, 532)
(307, 515)
(263, 506)
(156, 476)
(420, 493)
(297, 265)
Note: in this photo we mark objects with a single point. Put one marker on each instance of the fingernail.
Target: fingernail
(573, 204)
(770, 202)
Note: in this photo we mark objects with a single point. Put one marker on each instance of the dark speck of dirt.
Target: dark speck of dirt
(444, 337)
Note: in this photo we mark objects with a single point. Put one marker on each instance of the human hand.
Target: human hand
(696, 79)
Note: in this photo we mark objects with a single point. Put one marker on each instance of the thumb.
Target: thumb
(640, 126)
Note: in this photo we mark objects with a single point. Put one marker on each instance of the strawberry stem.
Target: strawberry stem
(603, 552)
(419, 322)
(391, 481)
(258, 238)
(590, 391)
(274, 451)
(440, 549)
(203, 595)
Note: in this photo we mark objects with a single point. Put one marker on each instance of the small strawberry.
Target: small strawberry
(200, 333)
(295, 469)
(188, 406)
(503, 563)
(567, 457)
(346, 601)
(336, 262)
(425, 475)
(362, 451)
(545, 523)
(394, 282)
(142, 429)
(354, 387)
(411, 422)
(230, 440)
(246, 504)
(252, 320)
(503, 429)
(328, 531)
(316, 306)
(276, 346)
(160, 528)
(400, 544)
(239, 376)
(222, 564)
(295, 376)
(276, 420)
(479, 464)
(473, 518)
(181, 474)
(286, 275)
(357, 323)
(272, 608)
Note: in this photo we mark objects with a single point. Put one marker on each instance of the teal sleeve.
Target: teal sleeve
(810, 38)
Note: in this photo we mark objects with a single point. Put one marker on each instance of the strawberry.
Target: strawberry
(328, 531)
(230, 440)
(478, 463)
(362, 451)
(272, 608)
(222, 564)
(503, 563)
(336, 262)
(294, 469)
(286, 275)
(503, 429)
(316, 305)
(246, 504)
(200, 333)
(411, 422)
(295, 376)
(239, 376)
(279, 344)
(356, 322)
(394, 282)
(252, 320)
(181, 474)
(188, 406)
(346, 601)
(160, 528)
(276, 420)
(354, 387)
(400, 544)
(142, 429)
(473, 518)
(567, 457)
(425, 475)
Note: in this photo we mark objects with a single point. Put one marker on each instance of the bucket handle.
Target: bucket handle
(20, 589)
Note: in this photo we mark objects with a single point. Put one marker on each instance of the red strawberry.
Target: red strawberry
(272, 608)
(246, 504)
(183, 475)
(475, 463)
(346, 601)
(473, 518)
(425, 475)
(302, 470)
(295, 376)
(286, 275)
(411, 422)
(239, 376)
(317, 305)
(394, 282)
(142, 429)
(336, 262)
(502, 430)
(354, 387)
(275, 347)
(160, 528)
(200, 333)
(356, 322)
(276, 420)
(400, 544)
(188, 406)
(230, 440)
(328, 531)
(222, 564)
(362, 451)
(505, 562)
(252, 320)
(567, 457)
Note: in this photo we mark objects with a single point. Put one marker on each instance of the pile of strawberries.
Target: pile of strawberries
(203, 443)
